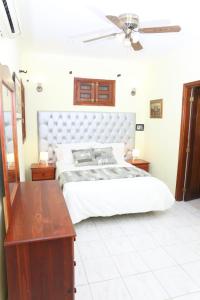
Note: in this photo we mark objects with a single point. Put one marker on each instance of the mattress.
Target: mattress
(113, 197)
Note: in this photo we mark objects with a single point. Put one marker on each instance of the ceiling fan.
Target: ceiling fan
(129, 24)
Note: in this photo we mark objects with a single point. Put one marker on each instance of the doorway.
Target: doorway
(188, 173)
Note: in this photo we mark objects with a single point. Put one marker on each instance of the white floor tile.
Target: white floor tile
(111, 266)
(131, 227)
(195, 296)
(165, 237)
(87, 231)
(80, 276)
(175, 281)
(118, 245)
(110, 290)
(130, 264)
(145, 287)
(93, 249)
(76, 252)
(83, 293)
(107, 231)
(157, 259)
(100, 269)
(182, 253)
(187, 234)
(143, 241)
(193, 270)
(195, 247)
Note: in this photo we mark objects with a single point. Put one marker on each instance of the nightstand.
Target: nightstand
(140, 163)
(43, 171)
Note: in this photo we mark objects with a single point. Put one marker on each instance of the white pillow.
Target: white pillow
(64, 151)
(118, 150)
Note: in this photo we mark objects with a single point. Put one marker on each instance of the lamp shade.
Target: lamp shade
(44, 156)
(135, 153)
(10, 158)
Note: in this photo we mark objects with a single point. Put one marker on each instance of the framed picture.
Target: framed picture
(139, 127)
(156, 108)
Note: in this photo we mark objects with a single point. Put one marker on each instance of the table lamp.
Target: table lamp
(10, 159)
(135, 153)
(44, 156)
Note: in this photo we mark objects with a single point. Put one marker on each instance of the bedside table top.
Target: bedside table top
(43, 166)
(137, 161)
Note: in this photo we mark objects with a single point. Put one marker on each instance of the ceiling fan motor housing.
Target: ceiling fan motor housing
(130, 20)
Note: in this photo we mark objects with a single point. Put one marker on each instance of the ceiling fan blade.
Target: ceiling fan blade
(101, 37)
(163, 29)
(115, 20)
(136, 46)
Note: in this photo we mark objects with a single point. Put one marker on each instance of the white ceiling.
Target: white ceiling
(60, 26)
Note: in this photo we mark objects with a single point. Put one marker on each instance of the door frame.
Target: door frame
(184, 138)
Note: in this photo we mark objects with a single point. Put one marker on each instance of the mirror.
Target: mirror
(8, 138)
(8, 133)
(20, 103)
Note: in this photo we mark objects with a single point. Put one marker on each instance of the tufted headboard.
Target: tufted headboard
(75, 127)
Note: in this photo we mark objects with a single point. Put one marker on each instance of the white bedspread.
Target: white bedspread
(112, 197)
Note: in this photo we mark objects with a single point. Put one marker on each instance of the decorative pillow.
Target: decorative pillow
(64, 151)
(83, 157)
(104, 156)
(118, 150)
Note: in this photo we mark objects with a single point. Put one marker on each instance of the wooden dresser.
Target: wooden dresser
(39, 244)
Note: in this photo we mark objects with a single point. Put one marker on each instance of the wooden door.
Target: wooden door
(192, 183)
(182, 181)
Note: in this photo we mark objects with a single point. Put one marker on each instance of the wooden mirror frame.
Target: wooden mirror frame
(20, 103)
(6, 80)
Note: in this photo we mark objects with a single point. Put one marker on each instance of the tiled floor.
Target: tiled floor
(152, 256)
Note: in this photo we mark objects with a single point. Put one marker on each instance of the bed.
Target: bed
(64, 133)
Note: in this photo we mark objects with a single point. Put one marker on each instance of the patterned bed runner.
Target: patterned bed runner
(101, 174)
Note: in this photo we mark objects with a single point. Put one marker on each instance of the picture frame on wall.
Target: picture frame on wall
(156, 108)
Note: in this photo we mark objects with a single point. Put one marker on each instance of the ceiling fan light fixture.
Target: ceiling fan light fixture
(127, 42)
(131, 21)
(130, 30)
(135, 37)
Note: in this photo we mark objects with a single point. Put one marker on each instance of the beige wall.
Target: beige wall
(168, 74)
(154, 78)
(53, 73)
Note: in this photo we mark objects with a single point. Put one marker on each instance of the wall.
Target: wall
(168, 74)
(156, 77)
(53, 72)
